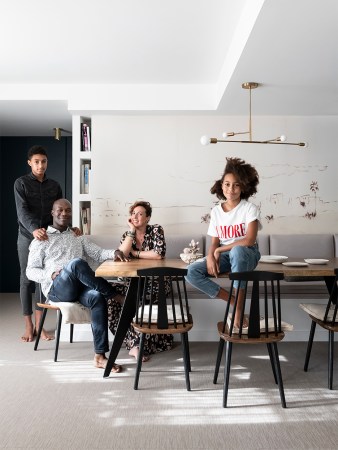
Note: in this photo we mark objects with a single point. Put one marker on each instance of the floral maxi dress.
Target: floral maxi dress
(153, 240)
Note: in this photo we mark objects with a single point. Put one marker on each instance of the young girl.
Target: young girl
(233, 227)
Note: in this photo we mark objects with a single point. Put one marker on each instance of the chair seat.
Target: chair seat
(325, 325)
(153, 328)
(72, 312)
(317, 311)
(244, 339)
(67, 312)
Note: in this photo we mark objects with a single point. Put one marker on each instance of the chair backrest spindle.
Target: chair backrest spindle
(172, 307)
(262, 295)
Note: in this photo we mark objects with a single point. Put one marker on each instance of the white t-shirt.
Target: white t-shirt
(232, 225)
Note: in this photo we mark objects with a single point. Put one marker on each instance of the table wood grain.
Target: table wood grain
(111, 268)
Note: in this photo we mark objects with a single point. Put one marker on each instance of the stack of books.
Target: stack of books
(85, 178)
(85, 219)
(85, 138)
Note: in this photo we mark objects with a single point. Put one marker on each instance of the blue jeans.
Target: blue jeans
(238, 259)
(77, 282)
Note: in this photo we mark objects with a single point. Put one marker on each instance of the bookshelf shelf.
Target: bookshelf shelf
(82, 163)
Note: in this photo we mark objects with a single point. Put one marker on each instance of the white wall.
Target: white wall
(160, 159)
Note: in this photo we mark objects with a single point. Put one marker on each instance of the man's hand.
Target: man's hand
(55, 274)
(40, 234)
(77, 231)
(120, 256)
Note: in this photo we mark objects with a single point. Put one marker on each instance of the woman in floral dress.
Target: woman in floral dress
(146, 242)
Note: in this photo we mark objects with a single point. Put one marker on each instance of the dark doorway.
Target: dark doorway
(13, 164)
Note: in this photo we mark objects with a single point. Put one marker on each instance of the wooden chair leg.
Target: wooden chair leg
(139, 361)
(57, 333)
(272, 362)
(42, 321)
(309, 345)
(185, 352)
(279, 374)
(330, 368)
(228, 352)
(218, 359)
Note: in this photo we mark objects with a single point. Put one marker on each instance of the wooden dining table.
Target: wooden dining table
(114, 269)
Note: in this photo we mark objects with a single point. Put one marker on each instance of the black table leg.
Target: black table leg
(127, 314)
(329, 281)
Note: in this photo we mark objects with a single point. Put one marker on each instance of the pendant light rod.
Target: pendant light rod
(205, 140)
(271, 141)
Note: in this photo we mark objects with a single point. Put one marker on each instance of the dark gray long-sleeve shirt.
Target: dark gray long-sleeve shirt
(34, 201)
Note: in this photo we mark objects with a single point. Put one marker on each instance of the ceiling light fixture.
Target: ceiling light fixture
(205, 140)
(57, 133)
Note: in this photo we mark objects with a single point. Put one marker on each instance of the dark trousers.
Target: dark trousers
(27, 287)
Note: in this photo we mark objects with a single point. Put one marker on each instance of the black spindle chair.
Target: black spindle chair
(158, 314)
(262, 298)
(326, 317)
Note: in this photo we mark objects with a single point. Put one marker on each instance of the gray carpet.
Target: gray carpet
(68, 405)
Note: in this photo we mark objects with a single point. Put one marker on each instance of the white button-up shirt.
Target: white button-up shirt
(47, 257)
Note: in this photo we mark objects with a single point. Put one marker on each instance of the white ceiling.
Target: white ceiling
(151, 56)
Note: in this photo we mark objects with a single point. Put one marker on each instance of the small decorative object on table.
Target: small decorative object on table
(191, 254)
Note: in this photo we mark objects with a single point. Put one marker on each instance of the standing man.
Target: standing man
(59, 264)
(34, 195)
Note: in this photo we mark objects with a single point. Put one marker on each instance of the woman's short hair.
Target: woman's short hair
(246, 175)
(146, 206)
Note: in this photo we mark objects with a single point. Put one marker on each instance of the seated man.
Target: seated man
(58, 265)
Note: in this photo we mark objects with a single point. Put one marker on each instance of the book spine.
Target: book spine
(88, 138)
(86, 178)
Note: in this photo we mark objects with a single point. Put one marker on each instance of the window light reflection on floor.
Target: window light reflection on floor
(116, 401)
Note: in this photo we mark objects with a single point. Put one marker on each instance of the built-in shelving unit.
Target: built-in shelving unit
(82, 161)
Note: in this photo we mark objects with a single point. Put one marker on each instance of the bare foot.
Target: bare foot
(135, 352)
(237, 321)
(29, 333)
(100, 361)
(44, 335)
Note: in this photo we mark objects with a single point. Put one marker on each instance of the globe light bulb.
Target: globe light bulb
(282, 138)
(205, 140)
(225, 135)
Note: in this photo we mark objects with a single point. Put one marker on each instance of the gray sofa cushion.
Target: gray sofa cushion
(302, 245)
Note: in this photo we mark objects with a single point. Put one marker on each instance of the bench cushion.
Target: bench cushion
(302, 245)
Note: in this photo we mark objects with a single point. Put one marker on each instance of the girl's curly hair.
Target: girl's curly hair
(246, 175)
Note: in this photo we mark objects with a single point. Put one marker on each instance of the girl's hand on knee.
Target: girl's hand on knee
(212, 266)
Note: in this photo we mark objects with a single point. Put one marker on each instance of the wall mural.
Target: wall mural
(298, 190)
(280, 205)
